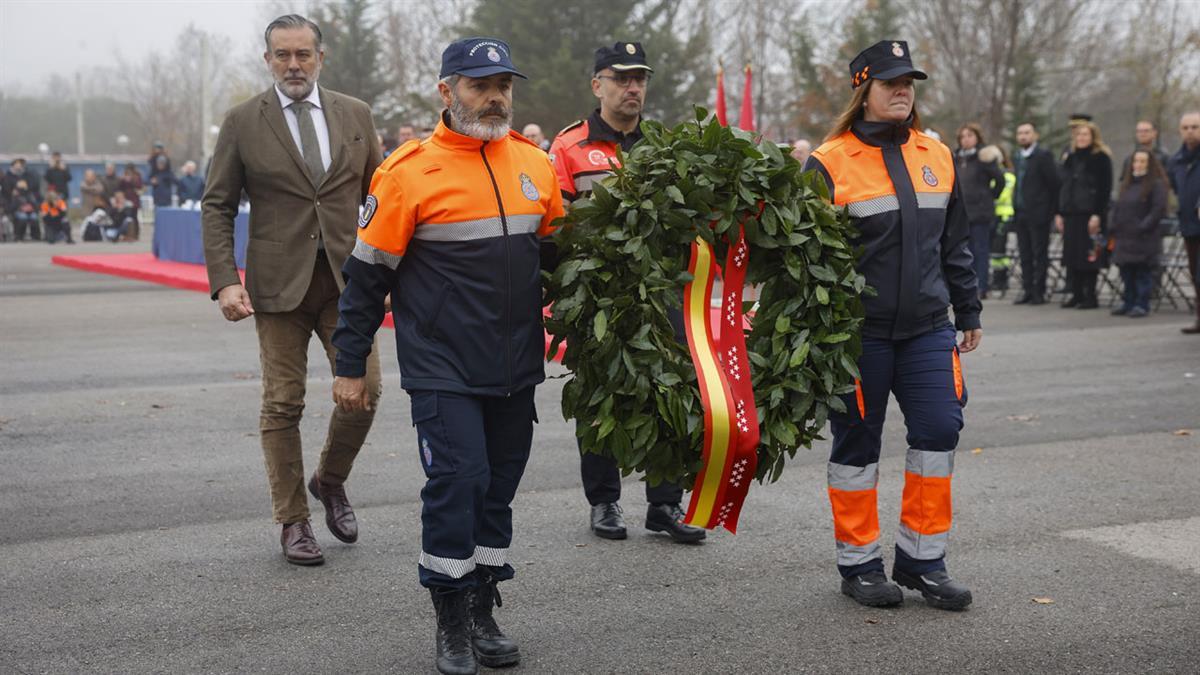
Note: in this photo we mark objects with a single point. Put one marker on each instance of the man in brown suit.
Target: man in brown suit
(305, 156)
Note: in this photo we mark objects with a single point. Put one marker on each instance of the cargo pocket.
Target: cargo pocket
(433, 446)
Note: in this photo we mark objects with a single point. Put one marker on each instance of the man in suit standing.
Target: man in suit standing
(305, 155)
(1035, 199)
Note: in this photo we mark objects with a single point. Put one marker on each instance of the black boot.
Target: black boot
(492, 647)
(873, 589)
(937, 587)
(454, 653)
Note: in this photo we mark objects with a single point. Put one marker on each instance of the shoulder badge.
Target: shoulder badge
(528, 188)
(927, 175)
(368, 212)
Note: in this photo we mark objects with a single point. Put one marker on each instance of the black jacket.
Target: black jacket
(1087, 180)
(980, 183)
(1134, 222)
(1035, 196)
(59, 178)
(1184, 171)
(914, 242)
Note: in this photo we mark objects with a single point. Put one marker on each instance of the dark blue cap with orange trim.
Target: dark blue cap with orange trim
(885, 60)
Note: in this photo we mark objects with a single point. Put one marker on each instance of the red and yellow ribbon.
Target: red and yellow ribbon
(726, 393)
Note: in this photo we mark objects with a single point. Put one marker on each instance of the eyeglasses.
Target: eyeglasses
(623, 81)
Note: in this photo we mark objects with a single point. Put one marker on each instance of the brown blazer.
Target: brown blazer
(255, 152)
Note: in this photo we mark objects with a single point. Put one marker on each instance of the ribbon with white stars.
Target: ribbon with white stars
(730, 417)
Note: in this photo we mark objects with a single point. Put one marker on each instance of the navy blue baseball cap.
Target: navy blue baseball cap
(884, 60)
(477, 57)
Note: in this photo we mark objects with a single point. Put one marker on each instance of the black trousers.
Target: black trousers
(1033, 244)
(602, 482)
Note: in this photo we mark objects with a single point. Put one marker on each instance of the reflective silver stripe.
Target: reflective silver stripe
(524, 223)
(848, 554)
(933, 200)
(922, 546)
(853, 478)
(585, 183)
(483, 228)
(873, 207)
(451, 567)
(929, 463)
(373, 256)
(490, 556)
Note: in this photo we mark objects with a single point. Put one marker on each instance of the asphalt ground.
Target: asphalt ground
(136, 534)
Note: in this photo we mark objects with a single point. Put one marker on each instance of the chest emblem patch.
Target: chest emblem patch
(368, 213)
(927, 175)
(529, 189)
(597, 157)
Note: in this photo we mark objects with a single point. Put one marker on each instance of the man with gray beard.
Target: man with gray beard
(305, 156)
(452, 229)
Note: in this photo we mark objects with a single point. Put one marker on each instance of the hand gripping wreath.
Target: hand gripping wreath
(643, 249)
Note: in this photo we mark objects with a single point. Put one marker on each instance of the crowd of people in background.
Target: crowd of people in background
(34, 208)
(1102, 222)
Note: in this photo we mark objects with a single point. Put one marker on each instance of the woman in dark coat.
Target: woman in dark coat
(131, 184)
(1082, 209)
(981, 180)
(1134, 225)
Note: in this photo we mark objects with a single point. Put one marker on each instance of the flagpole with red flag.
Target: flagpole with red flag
(747, 119)
(720, 111)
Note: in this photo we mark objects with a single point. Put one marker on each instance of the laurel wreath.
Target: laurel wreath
(623, 261)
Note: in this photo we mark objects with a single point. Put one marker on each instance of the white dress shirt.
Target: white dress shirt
(1026, 152)
(318, 118)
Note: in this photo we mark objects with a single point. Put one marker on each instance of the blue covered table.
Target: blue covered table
(177, 236)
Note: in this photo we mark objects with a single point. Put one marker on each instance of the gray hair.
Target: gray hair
(293, 21)
(450, 80)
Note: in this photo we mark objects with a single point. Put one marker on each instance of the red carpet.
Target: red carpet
(140, 266)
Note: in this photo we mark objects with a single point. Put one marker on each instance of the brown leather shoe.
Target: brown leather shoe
(299, 545)
(339, 515)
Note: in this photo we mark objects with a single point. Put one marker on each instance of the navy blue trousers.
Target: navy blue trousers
(981, 251)
(926, 377)
(1139, 284)
(473, 450)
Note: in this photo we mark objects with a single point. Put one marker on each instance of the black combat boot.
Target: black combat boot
(872, 589)
(492, 647)
(937, 587)
(454, 653)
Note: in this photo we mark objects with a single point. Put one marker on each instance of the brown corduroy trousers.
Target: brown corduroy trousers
(283, 339)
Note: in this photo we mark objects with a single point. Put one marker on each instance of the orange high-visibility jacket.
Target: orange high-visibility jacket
(901, 192)
(586, 152)
(451, 229)
(54, 209)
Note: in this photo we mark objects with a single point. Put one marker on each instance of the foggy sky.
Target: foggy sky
(39, 38)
